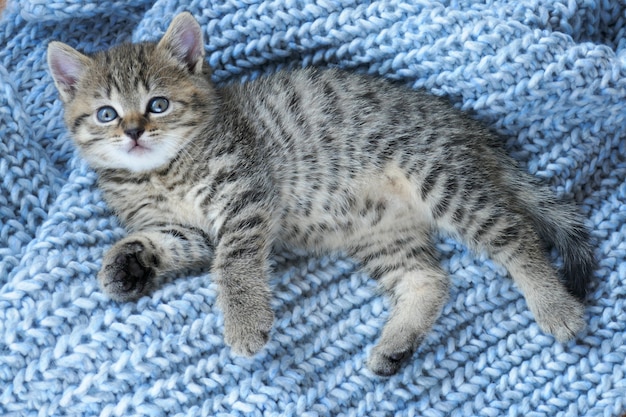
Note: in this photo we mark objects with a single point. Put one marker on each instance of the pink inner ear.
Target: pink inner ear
(65, 68)
(183, 39)
(190, 44)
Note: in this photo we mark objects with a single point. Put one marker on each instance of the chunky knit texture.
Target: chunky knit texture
(550, 75)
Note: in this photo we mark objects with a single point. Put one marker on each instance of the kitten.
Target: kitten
(319, 159)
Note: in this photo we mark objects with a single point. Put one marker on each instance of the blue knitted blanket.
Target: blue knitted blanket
(549, 75)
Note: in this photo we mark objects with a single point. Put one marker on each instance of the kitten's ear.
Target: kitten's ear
(184, 41)
(67, 66)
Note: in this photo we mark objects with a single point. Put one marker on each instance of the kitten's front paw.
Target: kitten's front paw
(246, 334)
(127, 271)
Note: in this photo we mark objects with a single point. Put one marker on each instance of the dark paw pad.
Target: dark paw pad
(388, 364)
(126, 273)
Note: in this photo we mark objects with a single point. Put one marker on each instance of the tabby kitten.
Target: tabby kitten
(319, 159)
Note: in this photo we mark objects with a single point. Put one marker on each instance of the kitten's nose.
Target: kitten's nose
(134, 133)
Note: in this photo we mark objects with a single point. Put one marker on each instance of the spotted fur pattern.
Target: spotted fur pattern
(319, 159)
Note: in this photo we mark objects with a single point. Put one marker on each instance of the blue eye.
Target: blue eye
(106, 114)
(158, 105)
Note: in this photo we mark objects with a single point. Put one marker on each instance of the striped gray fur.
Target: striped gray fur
(319, 159)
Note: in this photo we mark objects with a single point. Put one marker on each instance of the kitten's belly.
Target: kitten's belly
(384, 203)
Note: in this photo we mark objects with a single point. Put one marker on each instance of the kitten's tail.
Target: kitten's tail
(560, 225)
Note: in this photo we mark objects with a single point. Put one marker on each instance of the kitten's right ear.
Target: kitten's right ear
(184, 41)
(67, 66)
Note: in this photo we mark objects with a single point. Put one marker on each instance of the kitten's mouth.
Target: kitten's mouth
(138, 149)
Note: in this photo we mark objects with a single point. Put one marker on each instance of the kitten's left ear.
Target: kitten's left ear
(67, 67)
(184, 41)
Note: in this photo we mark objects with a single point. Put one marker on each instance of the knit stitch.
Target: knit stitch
(549, 75)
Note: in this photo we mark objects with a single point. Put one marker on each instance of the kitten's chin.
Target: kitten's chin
(144, 160)
(139, 160)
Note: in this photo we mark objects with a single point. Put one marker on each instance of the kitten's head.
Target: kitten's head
(135, 106)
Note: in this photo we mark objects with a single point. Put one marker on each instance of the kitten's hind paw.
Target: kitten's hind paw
(387, 364)
(127, 271)
(563, 319)
(393, 350)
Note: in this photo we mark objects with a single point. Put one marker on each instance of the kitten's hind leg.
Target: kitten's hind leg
(556, 310)
(509, 238)
(406, 268)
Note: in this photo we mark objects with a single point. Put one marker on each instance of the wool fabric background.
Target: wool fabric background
(549, 75)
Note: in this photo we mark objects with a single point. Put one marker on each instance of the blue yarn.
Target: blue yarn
(549, 75)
